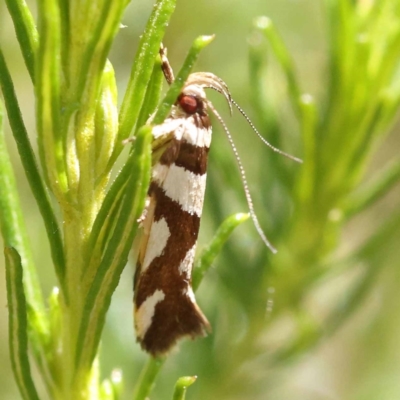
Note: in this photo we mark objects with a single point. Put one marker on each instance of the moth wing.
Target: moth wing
(165, 306)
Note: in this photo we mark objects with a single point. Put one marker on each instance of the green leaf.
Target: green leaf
(153, 93)
(370, 255)
(32, 173)
(116, 253)
(265, 25)
(95, 25)
(308, 175)
(106, 123)
(258, 64)
(54, 356)
(148, 49)
(181, 387)
(13, 228)
(48, 104)
(105, 220)
(18, 336)
(27, 34)
(14, 234)
(373, 190)
(209, 253)
(93, 380)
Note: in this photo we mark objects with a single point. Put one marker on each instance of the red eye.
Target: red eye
(188, 103)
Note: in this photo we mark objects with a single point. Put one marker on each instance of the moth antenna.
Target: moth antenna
(299, 160)
(244, 181)
(165, 65)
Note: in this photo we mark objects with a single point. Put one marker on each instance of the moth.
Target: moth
(165, 307)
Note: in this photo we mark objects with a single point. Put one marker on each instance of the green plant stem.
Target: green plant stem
(145, 384)
(85, 324)
(27, 34)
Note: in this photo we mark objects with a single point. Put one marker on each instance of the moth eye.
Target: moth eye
(188, 103)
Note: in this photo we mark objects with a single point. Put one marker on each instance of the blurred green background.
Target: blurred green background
(361, 359)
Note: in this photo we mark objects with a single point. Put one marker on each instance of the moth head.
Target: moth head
(198, 81)
(192, 100)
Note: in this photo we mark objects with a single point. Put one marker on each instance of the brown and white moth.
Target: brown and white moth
(164, 302)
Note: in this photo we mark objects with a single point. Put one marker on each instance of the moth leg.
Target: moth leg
(141, 240)
(159, 146)
(141, 219)
(165, 65)
(129, 140)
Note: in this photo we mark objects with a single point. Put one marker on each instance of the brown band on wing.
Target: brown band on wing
(163, 272)
(192, 158)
